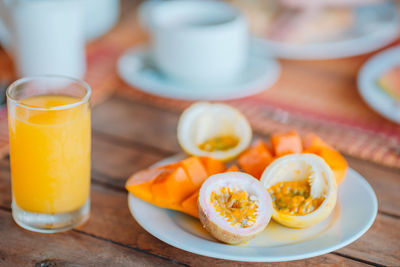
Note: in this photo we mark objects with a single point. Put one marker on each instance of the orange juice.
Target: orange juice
(50, 153)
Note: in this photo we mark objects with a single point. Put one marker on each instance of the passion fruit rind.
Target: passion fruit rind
(221, 234)
(322, 182)
(307, 220)
(208, 121)
(217, 225)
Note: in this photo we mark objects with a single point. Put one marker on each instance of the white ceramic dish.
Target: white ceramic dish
(353, 215)
(368, 88)
(137, 69)
(374, 28)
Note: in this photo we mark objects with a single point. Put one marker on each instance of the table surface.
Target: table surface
(131, 135)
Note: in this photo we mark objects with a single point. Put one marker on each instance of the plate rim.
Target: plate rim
(271, 258)
(364, 86)
(262, 83)
(336, 49)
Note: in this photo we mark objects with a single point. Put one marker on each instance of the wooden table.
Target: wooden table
(129, 136)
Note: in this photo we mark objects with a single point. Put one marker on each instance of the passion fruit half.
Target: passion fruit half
(303, 189)
(234, 207)
(215, 130)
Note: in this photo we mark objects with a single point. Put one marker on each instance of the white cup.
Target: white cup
(197, 42)
(100, 16)
(45, 36)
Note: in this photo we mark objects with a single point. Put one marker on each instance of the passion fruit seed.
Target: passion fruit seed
(220, 143)
(294, 197)
(235, 206)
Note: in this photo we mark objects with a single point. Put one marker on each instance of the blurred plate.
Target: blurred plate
(353, 215)
(374, 28)
(369, 90)
(137, 69)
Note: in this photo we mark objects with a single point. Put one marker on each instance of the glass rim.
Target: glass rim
(20, 81)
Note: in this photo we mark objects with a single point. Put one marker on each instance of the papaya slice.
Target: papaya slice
(233, 168)
(312, 141)
(335, 160)
(140, 183)
(171, 187)
(189, 205)
(195, 170)
(213, 166)
(254, 160)
(286, 143)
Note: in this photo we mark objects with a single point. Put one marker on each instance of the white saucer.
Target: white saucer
(369, 90)
(136, 68)
(374, 27)
(353, 215)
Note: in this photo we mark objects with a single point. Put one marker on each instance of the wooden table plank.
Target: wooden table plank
(384, 180)
(19, 247)
(119, 161)
(381, 244)
(138, 123)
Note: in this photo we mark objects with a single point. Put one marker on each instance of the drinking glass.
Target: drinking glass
(50, 143)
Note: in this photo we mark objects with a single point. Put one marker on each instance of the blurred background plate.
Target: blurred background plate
(368, 87)
(137, 69)
(370, 28)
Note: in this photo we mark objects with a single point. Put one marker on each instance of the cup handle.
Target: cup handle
(145, 12)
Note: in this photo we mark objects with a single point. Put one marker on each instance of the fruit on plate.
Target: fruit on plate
(286, 143)
(234, 207)
(174, 186)
(315, 145)
(390, 82)
(303, 189)
(213, 130)
(255, 159)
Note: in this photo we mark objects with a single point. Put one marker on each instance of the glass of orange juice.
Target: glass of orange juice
(50, 143)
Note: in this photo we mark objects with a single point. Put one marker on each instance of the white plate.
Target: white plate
(136, 68)
(374, 28)
(369, 90)
(353, 215)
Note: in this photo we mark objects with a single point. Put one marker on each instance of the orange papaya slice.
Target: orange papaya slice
(171, 187)
(139, 184)
(286, 143)
(189, 205)
(195, 170)
(254, 160)
(335, 160)
(213, 166)
(314, 142)
(233, 168)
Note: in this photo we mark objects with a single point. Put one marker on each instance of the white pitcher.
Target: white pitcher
(44, 36)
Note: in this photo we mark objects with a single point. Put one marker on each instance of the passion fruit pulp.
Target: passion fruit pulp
(234, 207)
(303, 189)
